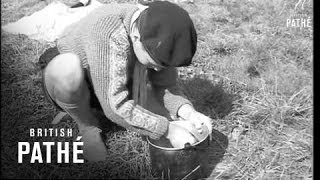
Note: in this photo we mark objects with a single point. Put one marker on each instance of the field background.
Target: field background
(252, 74)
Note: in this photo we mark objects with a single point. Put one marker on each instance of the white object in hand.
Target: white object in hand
(185, 133)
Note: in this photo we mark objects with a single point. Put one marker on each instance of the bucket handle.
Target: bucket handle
(185, 177)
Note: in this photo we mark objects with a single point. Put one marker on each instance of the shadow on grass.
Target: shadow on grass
(208, 97)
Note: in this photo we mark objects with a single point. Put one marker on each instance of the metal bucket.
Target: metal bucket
(171, 163)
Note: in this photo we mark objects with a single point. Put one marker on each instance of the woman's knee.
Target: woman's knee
(65, 73)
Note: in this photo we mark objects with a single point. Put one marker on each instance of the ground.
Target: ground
(252, 74)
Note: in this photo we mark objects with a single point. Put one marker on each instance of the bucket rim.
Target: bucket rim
(175, 149)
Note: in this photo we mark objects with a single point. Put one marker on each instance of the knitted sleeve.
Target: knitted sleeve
(165, 87)
(109, 78)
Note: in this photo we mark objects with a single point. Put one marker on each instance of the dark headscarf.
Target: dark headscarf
(168, 34)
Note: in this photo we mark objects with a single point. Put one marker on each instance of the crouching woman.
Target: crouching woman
(122, 58)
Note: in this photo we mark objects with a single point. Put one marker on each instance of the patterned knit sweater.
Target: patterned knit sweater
(101, 40)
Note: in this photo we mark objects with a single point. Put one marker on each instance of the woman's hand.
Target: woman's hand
(179, 135)
(187, 112)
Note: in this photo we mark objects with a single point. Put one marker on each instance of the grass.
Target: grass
(251, 73)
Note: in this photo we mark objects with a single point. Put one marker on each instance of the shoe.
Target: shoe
(94, 148)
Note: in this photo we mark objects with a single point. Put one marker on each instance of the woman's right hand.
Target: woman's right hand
(179, 136)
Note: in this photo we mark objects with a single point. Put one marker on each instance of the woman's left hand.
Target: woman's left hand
(198, 119)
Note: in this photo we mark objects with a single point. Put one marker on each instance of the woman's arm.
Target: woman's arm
(109, 77)
(166, 89)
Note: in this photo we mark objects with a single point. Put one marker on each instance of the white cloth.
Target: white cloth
(137, 14)
(48, 23)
